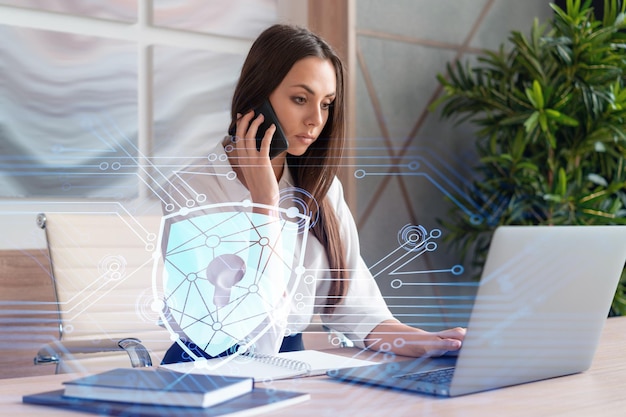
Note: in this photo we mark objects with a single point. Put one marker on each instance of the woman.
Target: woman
(303, 79)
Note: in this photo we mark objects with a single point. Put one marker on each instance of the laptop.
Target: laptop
(543, 298)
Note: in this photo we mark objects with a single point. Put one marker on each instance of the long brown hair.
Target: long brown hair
(271, 57)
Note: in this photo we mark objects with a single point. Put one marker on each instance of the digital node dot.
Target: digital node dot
(292, 212)
(457, 269)
(359, 173)
(157, 306)
(476, 219)
(213, 241)
(399, 342)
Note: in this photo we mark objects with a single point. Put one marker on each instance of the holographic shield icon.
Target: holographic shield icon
(227, 272)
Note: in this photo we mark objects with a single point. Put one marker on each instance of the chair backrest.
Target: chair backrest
(102, 270)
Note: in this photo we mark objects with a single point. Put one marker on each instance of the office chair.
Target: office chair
(101, 270)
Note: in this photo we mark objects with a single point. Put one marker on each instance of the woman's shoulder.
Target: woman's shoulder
(200, 174)
(335, 191)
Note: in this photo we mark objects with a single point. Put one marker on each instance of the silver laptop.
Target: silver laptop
(543, 299)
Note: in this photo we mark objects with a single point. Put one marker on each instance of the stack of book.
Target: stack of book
(156, 392)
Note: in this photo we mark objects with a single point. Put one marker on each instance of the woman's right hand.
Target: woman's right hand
(254, 167)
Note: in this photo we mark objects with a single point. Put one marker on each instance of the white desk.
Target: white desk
(601, 391)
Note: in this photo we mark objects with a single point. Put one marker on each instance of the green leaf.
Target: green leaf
(562, 183)
(560, 118)
(528, 165)
(538, 93)
(552, 197)
(543, 121)
(532, 121)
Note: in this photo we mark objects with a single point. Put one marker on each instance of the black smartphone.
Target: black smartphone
(279, 141)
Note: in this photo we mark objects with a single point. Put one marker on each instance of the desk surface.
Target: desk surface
(598, 392)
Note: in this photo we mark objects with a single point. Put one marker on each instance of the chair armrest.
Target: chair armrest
(53, 352)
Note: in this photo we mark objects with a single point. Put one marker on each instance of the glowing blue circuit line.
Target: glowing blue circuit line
(395, 271)
(59, 173)
(88, 122)
(441, 284)
(81, 150)
(101, 294)
(37, 206)
(438, 305)
(135, 160)
(430, 297)
(419, 272)
(391, 253)
(63, 164)
(211, 174)
(182, 180)
(399, 259)
(77, 174)
(432, 180)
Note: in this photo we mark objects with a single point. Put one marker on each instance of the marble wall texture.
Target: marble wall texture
(70, 114)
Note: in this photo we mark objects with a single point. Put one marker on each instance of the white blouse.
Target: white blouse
(212, 180)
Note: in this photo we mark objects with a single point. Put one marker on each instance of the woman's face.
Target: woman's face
(302, 101)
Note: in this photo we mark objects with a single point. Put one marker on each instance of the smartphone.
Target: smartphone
(279, 141)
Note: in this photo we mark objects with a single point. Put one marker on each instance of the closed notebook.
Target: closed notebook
(271, 367)
(257, 401)
(158, 387)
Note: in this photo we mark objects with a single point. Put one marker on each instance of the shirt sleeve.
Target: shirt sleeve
(363, 307)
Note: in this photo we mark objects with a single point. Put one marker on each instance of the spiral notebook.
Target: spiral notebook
(271, 367)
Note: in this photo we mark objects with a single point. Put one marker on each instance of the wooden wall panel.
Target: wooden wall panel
(27, 311)
(333, 20)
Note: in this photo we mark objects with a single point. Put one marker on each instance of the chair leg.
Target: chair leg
(139, 355)
(54, 352)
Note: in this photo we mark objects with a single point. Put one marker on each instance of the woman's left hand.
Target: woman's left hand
(401, 339)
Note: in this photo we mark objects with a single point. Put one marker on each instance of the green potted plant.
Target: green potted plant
(550, 118)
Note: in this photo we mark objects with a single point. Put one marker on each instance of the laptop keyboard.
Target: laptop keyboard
(437, 376)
